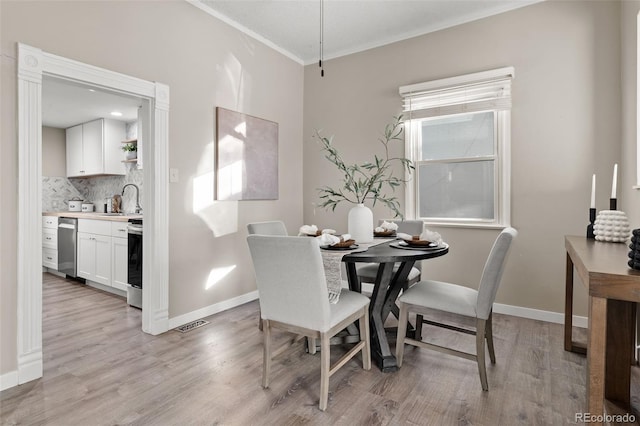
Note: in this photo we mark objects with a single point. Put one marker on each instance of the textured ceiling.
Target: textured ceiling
(293, 26)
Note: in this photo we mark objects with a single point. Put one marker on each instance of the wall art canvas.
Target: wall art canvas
(246, 157)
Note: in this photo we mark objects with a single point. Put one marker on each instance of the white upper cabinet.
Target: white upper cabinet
(93, 148)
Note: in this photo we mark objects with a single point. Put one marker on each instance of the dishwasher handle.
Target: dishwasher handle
(67, 226)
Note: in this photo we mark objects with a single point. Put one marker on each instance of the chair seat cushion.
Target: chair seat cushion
(368, 272)
(443, 297)
(349, 302)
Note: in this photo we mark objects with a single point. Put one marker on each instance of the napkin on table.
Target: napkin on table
(328, 239)
(308, 230)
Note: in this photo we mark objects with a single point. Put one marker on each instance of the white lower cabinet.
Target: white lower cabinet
(119, 260)
(94, 257)
(50, 242)
(103, 252)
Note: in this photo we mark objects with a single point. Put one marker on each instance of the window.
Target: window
(457, 134)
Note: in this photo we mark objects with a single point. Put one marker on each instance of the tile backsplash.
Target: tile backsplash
(57, 190)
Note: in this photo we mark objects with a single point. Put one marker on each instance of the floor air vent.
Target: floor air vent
(191, 326)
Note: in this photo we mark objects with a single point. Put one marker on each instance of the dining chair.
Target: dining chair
(294, 297)
(274, 227)
(367, 272)
(425, 296)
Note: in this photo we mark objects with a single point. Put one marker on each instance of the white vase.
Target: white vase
(360, 224)
(130, 155)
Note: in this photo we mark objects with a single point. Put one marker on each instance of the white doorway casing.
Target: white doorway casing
(32, 64)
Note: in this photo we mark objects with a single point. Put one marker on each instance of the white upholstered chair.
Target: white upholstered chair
(294, 297)
(426, 296)
(274, 227)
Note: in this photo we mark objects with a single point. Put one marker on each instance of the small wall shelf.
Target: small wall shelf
(133, 160)
(130, 141)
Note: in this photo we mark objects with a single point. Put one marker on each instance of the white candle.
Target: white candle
(593, 191)
(614, 185)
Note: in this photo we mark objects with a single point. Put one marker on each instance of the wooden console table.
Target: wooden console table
(613, 289)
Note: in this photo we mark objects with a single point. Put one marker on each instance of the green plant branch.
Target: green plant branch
(366, 181)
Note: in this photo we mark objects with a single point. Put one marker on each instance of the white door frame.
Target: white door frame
(32, 64)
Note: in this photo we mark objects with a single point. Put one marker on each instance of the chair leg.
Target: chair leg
(324, 370)
(266, 354)
(480, 357)
(402, 332)
(311, 345)
(364, 336)
(418, 335)
(259, 320)
(489, 331)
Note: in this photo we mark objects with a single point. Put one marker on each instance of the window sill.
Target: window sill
(467, 225)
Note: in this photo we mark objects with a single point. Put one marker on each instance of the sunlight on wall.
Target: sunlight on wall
(220, 216)
(217, 274)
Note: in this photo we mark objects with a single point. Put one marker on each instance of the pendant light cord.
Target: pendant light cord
(321, 38)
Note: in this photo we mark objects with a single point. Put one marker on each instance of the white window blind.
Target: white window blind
(487, 90)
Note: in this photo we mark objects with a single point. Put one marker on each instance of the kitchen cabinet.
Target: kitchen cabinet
(103, 252)
(93, 148)
(119, 255)
(50, 242)
(94, 250)
(94, 257)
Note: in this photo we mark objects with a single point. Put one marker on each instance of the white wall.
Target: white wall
(565, 126)
(54, 151)
(206, 64)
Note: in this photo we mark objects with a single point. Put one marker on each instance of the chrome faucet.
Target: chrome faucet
(138, 208)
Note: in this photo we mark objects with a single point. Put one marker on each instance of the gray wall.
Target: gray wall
(206, 64)
(630, 201)
(565, 126)
(54, 149)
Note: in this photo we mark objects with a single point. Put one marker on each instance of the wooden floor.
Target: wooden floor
(101, 369)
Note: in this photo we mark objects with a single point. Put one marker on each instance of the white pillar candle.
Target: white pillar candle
(593, 191)
(614, 185)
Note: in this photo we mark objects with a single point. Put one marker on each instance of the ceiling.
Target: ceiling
(65, 104)
(293, 27)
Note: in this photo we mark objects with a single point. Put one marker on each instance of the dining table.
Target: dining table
(387, 287)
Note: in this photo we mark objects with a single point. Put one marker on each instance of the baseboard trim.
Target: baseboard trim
(212, 309)
(537, 314)
(8, 380)
(519, 311)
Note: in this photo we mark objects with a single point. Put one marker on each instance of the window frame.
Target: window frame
(502, 160)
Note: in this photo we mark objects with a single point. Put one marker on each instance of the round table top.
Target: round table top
(384, 253)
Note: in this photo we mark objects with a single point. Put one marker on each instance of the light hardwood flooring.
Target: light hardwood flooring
(101, 369)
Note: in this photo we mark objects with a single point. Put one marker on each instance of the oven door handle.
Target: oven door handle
(136, 230)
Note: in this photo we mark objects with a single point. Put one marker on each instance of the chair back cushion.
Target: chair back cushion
(275, 227)
(492, 273)
(291, 283)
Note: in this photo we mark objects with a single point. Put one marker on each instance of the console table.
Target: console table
(613, 290)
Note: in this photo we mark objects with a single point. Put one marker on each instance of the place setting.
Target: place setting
(328, 239)
(426, 241)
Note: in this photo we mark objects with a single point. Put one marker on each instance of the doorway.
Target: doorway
(33, 64)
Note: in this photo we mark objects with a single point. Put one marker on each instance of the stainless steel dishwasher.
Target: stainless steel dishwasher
(67, 246)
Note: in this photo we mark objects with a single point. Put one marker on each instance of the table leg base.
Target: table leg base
(387, 364)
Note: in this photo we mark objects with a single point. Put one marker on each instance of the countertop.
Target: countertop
(95, 216)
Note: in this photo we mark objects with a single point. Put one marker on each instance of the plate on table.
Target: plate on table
(351, 247)
(404, 245)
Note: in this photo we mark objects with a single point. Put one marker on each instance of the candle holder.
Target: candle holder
(613, 204)
(592, 218)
